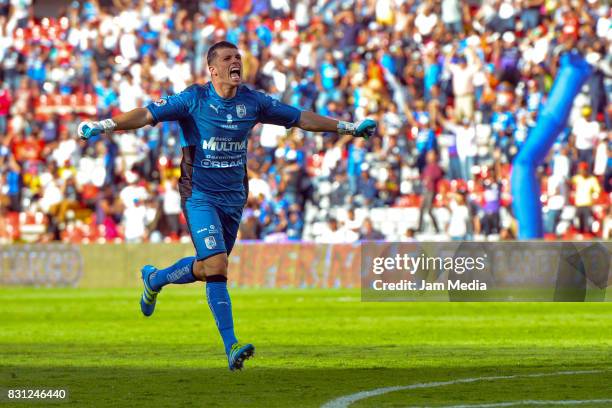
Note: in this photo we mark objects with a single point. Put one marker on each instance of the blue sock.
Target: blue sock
(180, 272)
(221, 308)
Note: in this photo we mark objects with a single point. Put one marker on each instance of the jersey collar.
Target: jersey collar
(216, 96)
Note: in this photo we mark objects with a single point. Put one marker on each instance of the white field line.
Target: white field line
(345, 401)
(528, 403)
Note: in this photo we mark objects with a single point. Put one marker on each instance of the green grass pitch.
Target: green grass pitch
(313, 346)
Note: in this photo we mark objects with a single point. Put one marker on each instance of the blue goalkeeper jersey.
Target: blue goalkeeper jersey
(214, 137)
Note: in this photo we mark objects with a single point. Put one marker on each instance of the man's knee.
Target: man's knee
(198, 270)
(215, 265)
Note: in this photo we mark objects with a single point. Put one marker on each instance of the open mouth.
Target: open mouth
(235, 74)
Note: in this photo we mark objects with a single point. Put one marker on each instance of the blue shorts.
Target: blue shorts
(213, 228)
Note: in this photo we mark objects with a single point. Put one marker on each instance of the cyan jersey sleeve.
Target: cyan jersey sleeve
(277, 113)
(175, 107)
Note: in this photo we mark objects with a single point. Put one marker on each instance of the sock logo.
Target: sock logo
(179, 273)
(210, 242)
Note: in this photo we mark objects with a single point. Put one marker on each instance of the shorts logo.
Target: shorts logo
(210, 242)
(240, 110)
(160, 102)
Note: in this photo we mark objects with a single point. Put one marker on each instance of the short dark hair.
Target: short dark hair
(212, 51)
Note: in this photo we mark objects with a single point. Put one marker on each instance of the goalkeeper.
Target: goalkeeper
(215, 119)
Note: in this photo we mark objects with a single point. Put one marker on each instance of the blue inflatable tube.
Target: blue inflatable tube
(552, 118)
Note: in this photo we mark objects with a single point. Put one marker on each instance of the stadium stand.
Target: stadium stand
(464, 79)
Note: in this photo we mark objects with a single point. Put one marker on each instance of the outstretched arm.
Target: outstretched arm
(134, 119)
(277, 113)
(313, 122)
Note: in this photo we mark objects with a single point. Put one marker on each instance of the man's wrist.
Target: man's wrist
(108, 125)
(345, 128)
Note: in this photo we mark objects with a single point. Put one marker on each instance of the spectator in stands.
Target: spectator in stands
(351, 221)
(465, 144)
(171, 207)
(281, 222)
(356, 158)
(586, 132)
(389, 189)
(452, 16)
(65, 148)
(561, 164)
(408, 236)
(450, 149)
(336, 233)
(463, 73)
(5, 107)
(5, 228)
(587, 189)
(70, 200)
(328, 79)
(259, 162)
(530, 14)
(249, 227)
(295, 226)
(369, 233)
(341, 192)
(601, 153)
(425, 136)
(13, 184)
(131, 94)
(506, 234)
(153, 215)
(367, 192)
(431, 175)
(490, 220)
(460, 220)
(108, 216)
(557, 197)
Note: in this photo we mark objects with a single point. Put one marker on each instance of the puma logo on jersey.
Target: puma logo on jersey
(215, 108)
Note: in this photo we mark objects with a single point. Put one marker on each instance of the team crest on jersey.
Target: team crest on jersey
(210, 242)
(160, 102)
(240, 110)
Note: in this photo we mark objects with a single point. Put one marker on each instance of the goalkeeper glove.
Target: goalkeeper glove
(89, 129)
(364, 128)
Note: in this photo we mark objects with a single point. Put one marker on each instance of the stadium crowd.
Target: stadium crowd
(454, 85)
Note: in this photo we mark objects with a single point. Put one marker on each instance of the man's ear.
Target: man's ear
(212, 70)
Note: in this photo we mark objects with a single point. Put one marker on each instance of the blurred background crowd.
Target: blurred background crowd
(454, 85)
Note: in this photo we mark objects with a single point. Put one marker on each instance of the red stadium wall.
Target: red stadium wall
(252, 264)
(295, 265)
